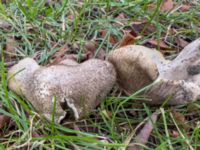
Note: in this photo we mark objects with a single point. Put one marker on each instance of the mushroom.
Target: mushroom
(76, 88)
(177, 81)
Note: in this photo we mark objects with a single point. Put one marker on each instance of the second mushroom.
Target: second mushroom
(177, 81)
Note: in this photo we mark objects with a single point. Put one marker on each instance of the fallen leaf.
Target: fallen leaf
(128, 39)
(181, 42)
(59, 55)
(103, 33)
(160, 44)
(101, 54)
(112, 39)
(92, 48)
(138, 25)
(4, 120)
(35, 134)
(143, 136)
(143, 27)
(185, 8)
(174, 134)
(130, 31)
(180, 118)
(61, 52)
(166, 5)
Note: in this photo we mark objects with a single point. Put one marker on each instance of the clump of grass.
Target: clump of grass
(41, 29)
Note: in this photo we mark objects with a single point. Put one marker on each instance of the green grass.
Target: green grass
(40, 30)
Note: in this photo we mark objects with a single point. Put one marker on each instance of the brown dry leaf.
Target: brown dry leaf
(143, 136)
(35, 134)
(91, 48)
(180, 118)
(4, 120)
(138, 25)
(174, 134)
(143, 26)
(101, 54)
(155, 43)
(132, 32)
(166, 5)
(185, 8)
(59, 55)
(128, 39)
(61, 52)
(112, 39)
(181, 42)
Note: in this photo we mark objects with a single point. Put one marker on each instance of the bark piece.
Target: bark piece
(78, 88)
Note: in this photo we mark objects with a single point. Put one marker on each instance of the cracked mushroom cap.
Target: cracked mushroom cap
(77, 88)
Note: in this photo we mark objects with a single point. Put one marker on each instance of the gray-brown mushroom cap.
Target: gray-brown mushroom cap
(78, 88)
(19, 75)
(132, 66)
